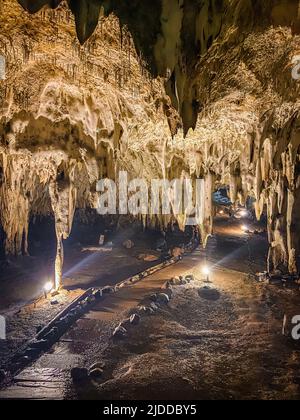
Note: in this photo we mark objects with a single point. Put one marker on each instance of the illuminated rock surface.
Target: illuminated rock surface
(212, 96)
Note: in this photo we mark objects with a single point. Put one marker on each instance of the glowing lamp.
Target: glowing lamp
(205, 271)
(244, 213)
(48, 287)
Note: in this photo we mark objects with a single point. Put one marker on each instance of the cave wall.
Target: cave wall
(66, 114)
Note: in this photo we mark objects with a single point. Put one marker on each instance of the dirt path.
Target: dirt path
(222, 343)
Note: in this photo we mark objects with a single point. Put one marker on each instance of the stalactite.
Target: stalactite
(236, 190)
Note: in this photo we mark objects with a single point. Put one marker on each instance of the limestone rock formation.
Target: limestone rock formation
(163, 89)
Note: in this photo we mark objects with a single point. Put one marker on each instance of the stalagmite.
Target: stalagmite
(63, 199)
(59, 261)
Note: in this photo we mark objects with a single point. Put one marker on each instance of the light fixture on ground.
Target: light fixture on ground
(245, 229)
(48, 287)
(206, 272)
(244, 213)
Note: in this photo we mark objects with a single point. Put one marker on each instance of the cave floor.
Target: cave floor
(224, 344)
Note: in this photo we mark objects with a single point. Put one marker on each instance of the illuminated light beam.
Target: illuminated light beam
(97, 254)
(206, 271)
(87, 260)
(48, 286)
(233, 255)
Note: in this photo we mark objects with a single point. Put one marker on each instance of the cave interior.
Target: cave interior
(205, 92)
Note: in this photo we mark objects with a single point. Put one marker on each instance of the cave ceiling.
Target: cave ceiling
(172, 35)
